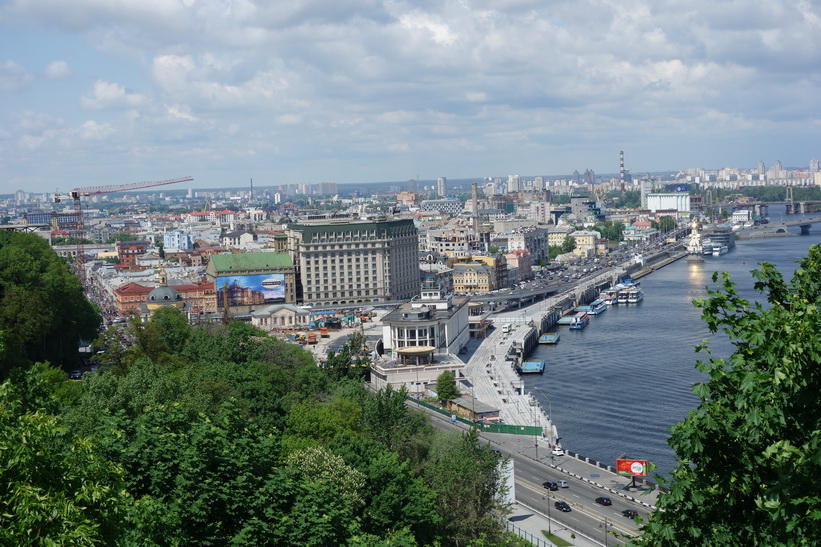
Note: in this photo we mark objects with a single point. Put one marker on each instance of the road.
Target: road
(587, 518)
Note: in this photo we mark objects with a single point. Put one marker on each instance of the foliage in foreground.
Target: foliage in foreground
(222, 435)
(751, 453)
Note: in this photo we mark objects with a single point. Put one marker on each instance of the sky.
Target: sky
(105, 92)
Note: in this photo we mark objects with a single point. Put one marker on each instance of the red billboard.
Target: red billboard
(632, 468)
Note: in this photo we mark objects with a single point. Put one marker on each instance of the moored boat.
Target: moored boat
(549, 338)
(719, 249)
(634, 296)
(580, 320)
(597, 307)
(531, 367)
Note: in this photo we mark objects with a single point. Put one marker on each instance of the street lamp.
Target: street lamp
(605, 523)
(549, 407)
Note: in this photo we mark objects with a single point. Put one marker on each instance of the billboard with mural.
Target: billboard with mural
(632, 468)
(245, 290)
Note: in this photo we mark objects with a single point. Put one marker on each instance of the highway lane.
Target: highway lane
(587, 517)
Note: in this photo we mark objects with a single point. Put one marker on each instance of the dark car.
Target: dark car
(550, 485)
(630, 513)
(496, 452)
(75, 375)
(562, 506)
(604, 501)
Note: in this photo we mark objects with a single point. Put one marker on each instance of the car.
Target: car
(562, 506)
(630, 513)
(604, 500)
(75, 375)
(557, 451)
(550, 485)
(563, 484)
(496, 452)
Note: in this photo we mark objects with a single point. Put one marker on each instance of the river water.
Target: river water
(617, 386)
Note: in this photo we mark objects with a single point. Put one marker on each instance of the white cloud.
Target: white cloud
(110, 96)
(58, 70)
(14, 77)
(468, 82)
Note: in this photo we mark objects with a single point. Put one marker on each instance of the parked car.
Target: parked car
(562, 506)
(550, 485)
(630, 513)
(604, 500)
(557, 451)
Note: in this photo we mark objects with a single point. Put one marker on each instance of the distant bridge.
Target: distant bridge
(804, 223)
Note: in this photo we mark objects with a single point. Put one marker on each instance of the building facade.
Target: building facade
(245, 282)
(344, 261)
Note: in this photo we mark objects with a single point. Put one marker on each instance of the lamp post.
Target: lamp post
(604, 524)
(549, 407)
(549, 531)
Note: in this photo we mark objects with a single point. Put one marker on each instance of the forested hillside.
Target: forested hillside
(221, 435)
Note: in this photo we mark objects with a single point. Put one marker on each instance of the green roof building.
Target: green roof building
(250, 281)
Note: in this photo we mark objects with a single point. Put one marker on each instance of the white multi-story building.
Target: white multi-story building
(669, 202)
(442, 186)
(178, 240)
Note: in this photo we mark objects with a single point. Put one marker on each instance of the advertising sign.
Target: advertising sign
(632, 468)
(250, 289)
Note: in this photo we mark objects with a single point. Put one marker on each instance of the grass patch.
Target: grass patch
(556, 539)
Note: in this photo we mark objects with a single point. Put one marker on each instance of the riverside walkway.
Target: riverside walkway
(491, 370)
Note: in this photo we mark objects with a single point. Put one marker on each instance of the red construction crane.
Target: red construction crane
(77, 193)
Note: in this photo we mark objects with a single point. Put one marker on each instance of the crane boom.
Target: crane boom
(79, 232)
(92, 190)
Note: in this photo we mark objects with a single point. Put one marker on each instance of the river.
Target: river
(617, 386)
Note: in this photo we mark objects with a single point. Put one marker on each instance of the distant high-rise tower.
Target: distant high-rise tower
(621, 169)
(514, 183)
(442, 186)
(761, 169)
(814, 165)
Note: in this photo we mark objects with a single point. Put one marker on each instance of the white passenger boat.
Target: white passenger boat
(597, 307)
(719, 249)
(635, 295)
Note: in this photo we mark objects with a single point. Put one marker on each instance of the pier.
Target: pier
(491, 369)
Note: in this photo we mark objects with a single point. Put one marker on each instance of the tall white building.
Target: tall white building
(666, 202)
(442, 186)
(514, 183)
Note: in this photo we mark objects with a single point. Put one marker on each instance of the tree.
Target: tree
(55, 487)
(446, 387)
(664, 224)
(612, 231)
(470, 501)
(751, 453)
(41, 303)
(569, 244)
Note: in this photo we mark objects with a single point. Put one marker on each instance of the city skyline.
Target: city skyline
(364, 92)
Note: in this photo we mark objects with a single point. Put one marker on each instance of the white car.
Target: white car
(557, 451)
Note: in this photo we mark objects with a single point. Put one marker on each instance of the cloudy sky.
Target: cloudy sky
(107, 92)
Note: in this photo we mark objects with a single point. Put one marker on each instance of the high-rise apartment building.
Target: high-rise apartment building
(344, 261)
(442, 186)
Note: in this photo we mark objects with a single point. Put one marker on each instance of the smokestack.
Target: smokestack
(474, 194)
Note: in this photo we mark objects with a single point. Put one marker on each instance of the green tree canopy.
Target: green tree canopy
(568, 244)
(41, 303)
(446, 387)
(55, 487)
(750, 455)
